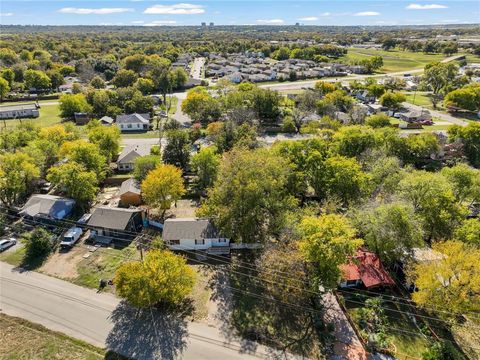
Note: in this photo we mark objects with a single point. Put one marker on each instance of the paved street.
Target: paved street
(102, 320)
(196, 71)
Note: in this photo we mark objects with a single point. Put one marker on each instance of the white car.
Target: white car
(6, 243)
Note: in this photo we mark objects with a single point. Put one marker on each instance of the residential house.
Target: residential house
(19, 111)
(194, 234)
(43, 206)
(108, 223)
(133, 122)
(130, 193)
(365, 268)
(415, 116)
(126, 159)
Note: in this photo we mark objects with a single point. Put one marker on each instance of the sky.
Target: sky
(238, 12)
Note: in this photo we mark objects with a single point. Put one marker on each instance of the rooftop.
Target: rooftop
(188, 228)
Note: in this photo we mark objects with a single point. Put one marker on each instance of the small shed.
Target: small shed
(130, 193)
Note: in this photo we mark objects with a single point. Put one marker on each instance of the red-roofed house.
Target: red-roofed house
(367, 269)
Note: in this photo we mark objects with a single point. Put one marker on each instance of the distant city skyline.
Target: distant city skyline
(245, 12)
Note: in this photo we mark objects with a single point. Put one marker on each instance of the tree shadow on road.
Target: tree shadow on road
(147, 333)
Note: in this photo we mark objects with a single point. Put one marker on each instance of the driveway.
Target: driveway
(197, 67)
(104, 321)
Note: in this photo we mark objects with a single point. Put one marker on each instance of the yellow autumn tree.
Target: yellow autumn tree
(163, 186)
(452, 283)
(162, 278)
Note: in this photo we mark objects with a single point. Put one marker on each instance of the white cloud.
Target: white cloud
(367, 13)
(161, 23)
(270, 21)
(425, 7)
(6, 14)
(175, 9)
(326, 14)
(101, 11)
(309, 18)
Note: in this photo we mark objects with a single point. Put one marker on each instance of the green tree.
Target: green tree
(17, 173)
(97, 82)
(145, 86)
(378, 121)
(468, 232)
(162, 187)
(78, 184)
(465, 182)
(86, 154)
(470, 137)
(467, 98)
(249, 200)
(438, 76)
(201, 107)
(205, 164)
(337, 176)
(124, 78)
(352, 141)
(9, 75)
(4, 88)
(145, 164)
(163, 278)
(177, 150)
(417, 149)
(107, 139)
(434, 201)
(72, 103)
(326, 243)
(392, 100)
(38, 245)
(390, 230)
(37, 79)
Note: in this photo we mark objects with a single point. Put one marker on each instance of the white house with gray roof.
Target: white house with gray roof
(126, 159)
(133, 122)
(193, 234)
(19, 111)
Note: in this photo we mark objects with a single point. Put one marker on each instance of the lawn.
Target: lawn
(421, 99)
(22, 339)
(13, 257)
(141, 135)
(49, 115)
(395, 60)
(102, 264)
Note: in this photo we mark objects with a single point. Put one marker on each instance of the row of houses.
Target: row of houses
(240, 67)
(107, 224)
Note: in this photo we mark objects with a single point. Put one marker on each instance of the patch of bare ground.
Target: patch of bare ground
(63, 263)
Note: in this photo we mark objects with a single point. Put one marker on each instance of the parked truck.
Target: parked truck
(71, 237)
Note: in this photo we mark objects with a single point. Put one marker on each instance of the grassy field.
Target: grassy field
(421, 99)
(22, 339)
(395, 60)
(49, 115)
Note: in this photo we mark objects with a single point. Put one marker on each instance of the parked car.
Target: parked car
(71, 237)
(7, 243)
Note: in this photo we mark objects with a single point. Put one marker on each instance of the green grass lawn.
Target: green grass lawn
(22, 339)
(395, 60)
(141, 135)
(14, 256)
(102, 264)
(421, 99)
(49, 115)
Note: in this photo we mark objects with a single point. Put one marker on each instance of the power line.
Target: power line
(256, 278)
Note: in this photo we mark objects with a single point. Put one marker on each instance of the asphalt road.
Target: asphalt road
(102, 320)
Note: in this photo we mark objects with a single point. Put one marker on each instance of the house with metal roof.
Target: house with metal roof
(43, 206)
(194, 234)
(19, 111)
